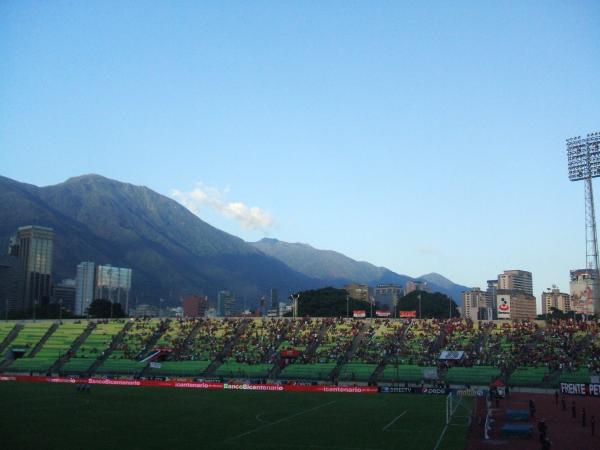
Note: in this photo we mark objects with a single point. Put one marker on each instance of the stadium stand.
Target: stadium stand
(356, 371)
(410, 351)
(212, 337)
(404, 373)
(57, 345)
(540, 354)
(173, 348)
(96, 344)
(5, 329)
(476, 375)
(125, 357)
(577, 376)
(380, 340)
(255, 351)
(301, 345)
(30, 335)
(200, 343)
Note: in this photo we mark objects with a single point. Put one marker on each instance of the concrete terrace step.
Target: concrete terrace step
(73, 350)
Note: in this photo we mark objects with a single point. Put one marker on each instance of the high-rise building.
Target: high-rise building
(285, 308)
(195, 306)
(13, 246)
(474, 304)
(388, 294)
(416, 285)
(490, 299)
(64, 294)
(84, 287)
(520, 280)
(358, 292)
(113, 284)
(145, 310)
(515, 304)
(555, 299)
(225, 304)
(35, 253)
(583, 300)
(11, 283)
(274, 298)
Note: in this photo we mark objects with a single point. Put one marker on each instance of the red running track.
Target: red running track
(565, 432)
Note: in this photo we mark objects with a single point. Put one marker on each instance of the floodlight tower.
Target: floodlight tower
(584, 164)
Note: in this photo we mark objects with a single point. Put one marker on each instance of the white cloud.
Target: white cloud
(253, 218)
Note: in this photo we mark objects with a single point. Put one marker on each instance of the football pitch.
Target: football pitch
(57, 416)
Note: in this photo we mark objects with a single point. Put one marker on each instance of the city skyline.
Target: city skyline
(420, 139)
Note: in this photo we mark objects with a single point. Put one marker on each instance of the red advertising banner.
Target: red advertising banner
(359, 313)
(408, 314)
(382, 313)
(196, 384)
(289, 353)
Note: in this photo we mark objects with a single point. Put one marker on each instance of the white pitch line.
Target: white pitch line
(393, 420)
(254, 430)
(446, 427)
(441, 437)
(261, 420)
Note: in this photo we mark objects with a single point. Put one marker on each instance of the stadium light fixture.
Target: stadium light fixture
(583, 156)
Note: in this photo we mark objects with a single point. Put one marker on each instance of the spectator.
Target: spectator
(546, 444)
(543, 429)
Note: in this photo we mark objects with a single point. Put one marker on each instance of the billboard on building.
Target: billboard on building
(503, 306)
(582, 298)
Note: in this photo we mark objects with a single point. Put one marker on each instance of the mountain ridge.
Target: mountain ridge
(338, 269)
(172, 251)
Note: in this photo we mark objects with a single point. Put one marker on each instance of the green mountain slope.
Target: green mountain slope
(171, 251)
(336, 269)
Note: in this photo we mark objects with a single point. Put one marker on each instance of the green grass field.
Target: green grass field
(56, 416)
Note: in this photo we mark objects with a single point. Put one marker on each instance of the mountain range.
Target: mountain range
(337, 269)
(173, 252)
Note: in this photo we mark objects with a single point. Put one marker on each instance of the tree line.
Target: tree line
(333, 302)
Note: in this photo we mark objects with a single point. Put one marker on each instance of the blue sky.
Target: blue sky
(422, 137)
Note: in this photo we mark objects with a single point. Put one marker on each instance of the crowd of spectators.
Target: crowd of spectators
(210, 340)
(337, 340)
(559, 346)
(139, 336)
(259, 341)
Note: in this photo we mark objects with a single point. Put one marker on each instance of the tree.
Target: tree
(104, 309)
(433, 306)
(329, 302)
(557, 314)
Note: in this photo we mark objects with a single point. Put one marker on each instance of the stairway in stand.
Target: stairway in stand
(379, 370)
(278, 365)
(335, 373)
(43, 340)
(147, 351)
(56, 368)
(116, 341)
(310, 351)
(226, 350)
(11, 337)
